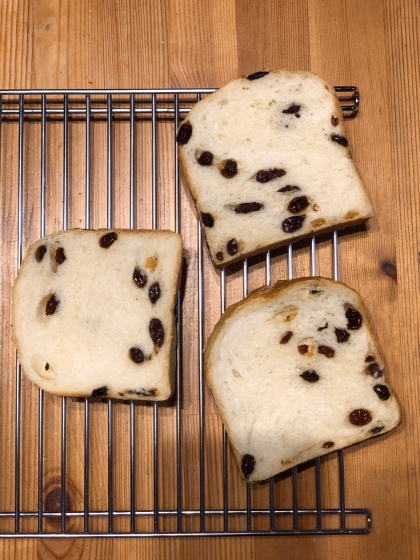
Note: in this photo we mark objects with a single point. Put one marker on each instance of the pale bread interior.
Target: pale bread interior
(271, 412)
(244, 121)
(83, 348)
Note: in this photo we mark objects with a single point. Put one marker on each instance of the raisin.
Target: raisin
(292, 110)
(369, 359)
(206, 158)
(47, 366)
(257, 75)
(101, 392)
(230, 169)
(139, 277)
(375, 370)
(143, 392)
(52, 305)
(354, 319)
(184, 133)
(286, 337)
(266, 175)
(310, 375)
(324, 327)
(289, 188)
(247, 465)
(277, 173)
(157, 333)
(136, 354)
(382, 391)
(342, 335)
(40, 252)
(303, 348)
(60, 257)
(334, 121)
(377, 430)
(298, 204)
(154, 292)
(232, 247)
(207, 219)
(297, 115)
(326, 350)
(328, 444)
(247, 207)
(219, 255)
(360, 417)
(108, 239)
(293, 223)
(315, 292)
(339, 139)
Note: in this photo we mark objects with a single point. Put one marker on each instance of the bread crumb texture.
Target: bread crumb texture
(267, 161)
(296, 373)
(93, 313)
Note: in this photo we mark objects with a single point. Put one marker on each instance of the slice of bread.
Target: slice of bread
(267, 162)
(93, 313)
(295, 371)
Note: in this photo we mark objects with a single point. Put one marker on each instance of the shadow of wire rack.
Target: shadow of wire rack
(92, 467)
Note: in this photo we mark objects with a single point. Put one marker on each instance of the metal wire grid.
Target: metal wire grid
(41, 110)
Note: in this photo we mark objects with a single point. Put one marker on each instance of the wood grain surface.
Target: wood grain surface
(204, 43)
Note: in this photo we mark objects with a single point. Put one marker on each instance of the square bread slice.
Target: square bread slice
(295, 371)
(267, 162)
(93, 313)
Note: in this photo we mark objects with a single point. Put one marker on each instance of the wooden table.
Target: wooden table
(175, 43)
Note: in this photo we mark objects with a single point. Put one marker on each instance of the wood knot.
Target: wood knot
(390, 270)
(52, 501)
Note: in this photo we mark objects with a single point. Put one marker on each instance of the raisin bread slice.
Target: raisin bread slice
(93, 313)
(267, 161)
(295, 371)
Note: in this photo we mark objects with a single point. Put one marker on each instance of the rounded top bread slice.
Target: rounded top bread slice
(296, 372)
(267, 161)
(93, 312)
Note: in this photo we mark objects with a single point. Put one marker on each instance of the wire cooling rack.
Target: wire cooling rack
(91, 467)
